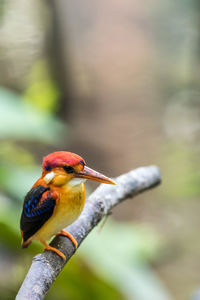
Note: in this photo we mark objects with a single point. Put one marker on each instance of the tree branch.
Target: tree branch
(46, 266)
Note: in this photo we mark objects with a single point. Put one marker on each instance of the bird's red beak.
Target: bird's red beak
(88, 173)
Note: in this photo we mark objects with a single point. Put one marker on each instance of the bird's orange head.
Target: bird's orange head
(60, 168)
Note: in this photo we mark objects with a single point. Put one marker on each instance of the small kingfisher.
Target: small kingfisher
(56, 199)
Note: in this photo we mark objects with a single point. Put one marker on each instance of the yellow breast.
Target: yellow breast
(69, 206)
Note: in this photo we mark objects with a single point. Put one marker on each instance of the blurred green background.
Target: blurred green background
(117, 82)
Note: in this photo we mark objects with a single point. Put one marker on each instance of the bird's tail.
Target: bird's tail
(25, 244)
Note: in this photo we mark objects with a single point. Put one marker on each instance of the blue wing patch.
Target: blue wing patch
(36, 212)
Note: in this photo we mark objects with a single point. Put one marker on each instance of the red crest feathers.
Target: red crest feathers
(61, 158)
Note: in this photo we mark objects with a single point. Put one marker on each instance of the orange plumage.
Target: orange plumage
(57, 198)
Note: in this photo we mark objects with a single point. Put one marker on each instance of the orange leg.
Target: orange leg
(48, 247)
(67, 234)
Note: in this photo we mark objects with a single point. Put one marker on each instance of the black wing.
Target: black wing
(36, 212)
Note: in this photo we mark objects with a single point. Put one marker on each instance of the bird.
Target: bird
(56, 199)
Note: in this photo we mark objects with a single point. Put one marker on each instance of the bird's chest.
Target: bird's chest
(70, 205)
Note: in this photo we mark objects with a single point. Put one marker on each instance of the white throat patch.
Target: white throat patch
(48, 177)
(76, 181)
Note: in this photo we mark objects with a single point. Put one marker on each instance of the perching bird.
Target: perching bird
(56, 199)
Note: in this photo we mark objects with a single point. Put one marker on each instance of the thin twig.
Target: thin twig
(46, 266)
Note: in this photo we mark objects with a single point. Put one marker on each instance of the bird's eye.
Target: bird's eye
(68, 169)
(82, 162)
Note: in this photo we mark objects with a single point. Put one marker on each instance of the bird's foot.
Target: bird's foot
(48, 247)
(67, 234)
